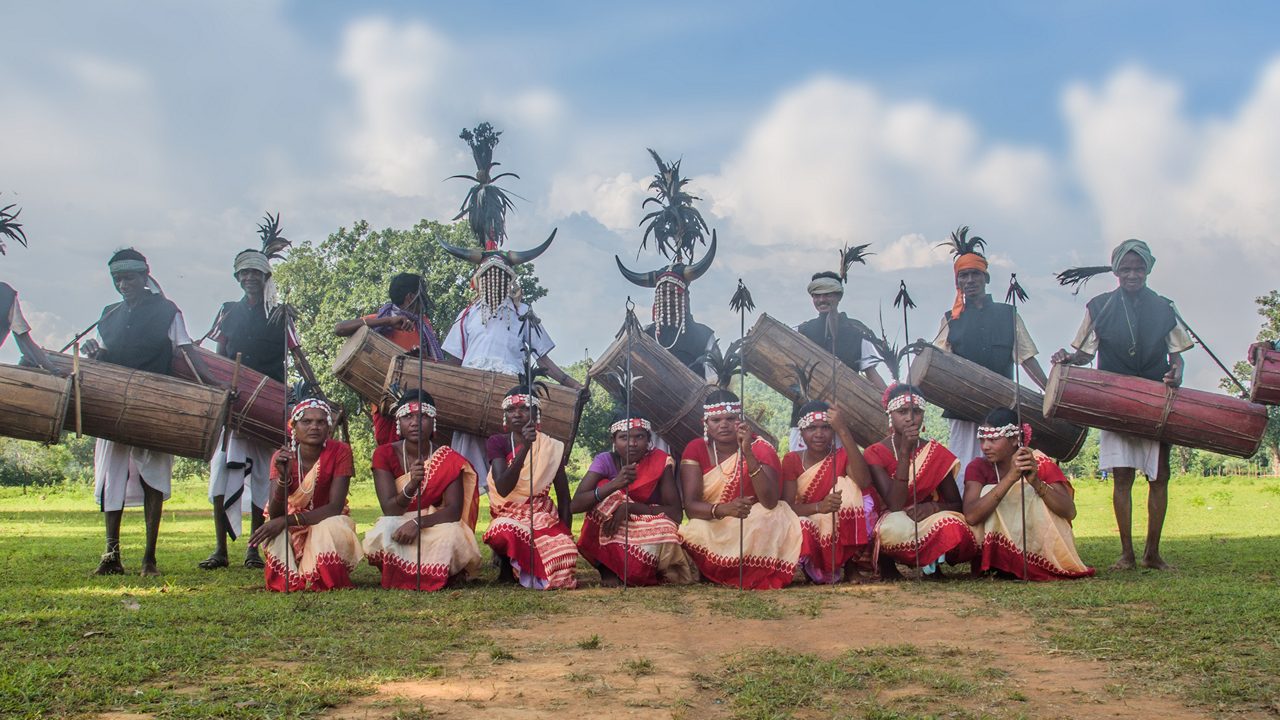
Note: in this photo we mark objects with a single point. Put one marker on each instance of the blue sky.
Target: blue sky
(1055, 130)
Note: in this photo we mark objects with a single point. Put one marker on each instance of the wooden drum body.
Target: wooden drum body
(665, 391)
(1152, 410)
(470, 400)
(971, 391)
(151, 411)
(258, 408)
(1265, 388)
(775, 353)
(35, 404)
(363, 363)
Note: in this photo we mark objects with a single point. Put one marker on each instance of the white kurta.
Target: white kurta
(120, 470)
(491, 343)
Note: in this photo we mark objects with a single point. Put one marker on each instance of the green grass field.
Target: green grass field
(214, 644)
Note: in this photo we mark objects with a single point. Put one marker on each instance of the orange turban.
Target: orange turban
(968, 261)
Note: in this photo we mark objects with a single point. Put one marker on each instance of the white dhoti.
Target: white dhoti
(963, 443)
(1121, 450)
(245, 465)
(472, 448)
(120, 470)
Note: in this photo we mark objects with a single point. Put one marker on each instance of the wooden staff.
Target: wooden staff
(626, 492)
(418, 491)
(1012, 297)
(904, 301)
(742, 303)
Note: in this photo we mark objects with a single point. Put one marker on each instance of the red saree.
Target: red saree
(942, 534)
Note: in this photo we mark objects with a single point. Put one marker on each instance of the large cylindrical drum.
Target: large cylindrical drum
(1265, 388)
(33, 404)
(1153, 410)
(151, 411)
(258, 407)
(779, 356)
(363, 362)
(664, 390)
(971, 391)
(470, 400)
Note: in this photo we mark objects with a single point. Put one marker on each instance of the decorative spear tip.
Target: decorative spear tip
(1016, 292)
(741, 300)
(903, 298)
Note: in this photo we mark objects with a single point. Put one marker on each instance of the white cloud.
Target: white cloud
(614, 201)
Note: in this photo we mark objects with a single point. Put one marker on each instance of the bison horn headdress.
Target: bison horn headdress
(677, 228)
(485, 208)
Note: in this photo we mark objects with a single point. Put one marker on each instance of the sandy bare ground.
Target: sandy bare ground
(549, 673)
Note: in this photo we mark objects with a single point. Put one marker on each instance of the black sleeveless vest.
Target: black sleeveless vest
(691, 345)
(1132, 332)
(138, 337)
(984, 335)
(261, 344)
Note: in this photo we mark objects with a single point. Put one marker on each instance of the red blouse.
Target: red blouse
(334, 461)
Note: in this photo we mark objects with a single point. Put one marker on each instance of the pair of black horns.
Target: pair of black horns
(688, 272)
(475, 256)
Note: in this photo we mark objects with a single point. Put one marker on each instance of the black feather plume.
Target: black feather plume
(741, 300)
(273, 243)
(676, 226)
(725, 365)
(903, 298)
(10, 228)
(1016, 293)
(485, 205)
(851, 255)
(1079, 276)
(961, 244)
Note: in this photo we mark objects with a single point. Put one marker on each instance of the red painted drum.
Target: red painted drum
(258, 408)
(1265, 387)
(1153, 410)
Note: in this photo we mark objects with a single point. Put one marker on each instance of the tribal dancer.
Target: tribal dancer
(983, 331)
(443, 485)
(402, 320)
(11, 319)
(920, 524)
(677, 228)
(632, 505)
(994, 501)
(310, 540)
(491, 332)
(140, 333)
(521, 453)
(820, 482)
(260, 331)
(727, 476)
(1133, 331)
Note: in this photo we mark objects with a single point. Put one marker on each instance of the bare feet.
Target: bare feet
(149, 568)
(1124, 563)
(1155, 562)
(110, 564)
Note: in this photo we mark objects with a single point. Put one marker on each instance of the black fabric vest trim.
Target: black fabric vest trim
(260, 343)
(1144, 329)
(984, 335)
(138, 337)
(691, 345)
(7, 296)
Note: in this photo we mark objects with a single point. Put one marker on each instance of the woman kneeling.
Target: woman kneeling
(825, 487)
(310, 538)
(916, 479)
(738, 530)
(523, 465)
(1042, 548)
(426, 536)
(632, 504)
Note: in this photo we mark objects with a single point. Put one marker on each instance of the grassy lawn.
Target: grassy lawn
(201, 644)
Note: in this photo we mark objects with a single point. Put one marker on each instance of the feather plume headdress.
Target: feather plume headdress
(10, 227)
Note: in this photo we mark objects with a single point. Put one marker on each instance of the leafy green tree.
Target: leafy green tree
(347, 275)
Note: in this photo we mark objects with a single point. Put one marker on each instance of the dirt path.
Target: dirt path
(654, 662)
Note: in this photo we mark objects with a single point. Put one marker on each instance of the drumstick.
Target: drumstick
(75, 383)
(235, 381)
(1196, 337)
(1012, 297)
(904, 301)
(76, 340)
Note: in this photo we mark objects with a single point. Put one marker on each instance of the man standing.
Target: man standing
(257, 328)
(1132, 331)
(983, 331)
(11, 319)
(402, 320)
